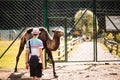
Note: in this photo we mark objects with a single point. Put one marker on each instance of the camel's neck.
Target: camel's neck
(54, 43)
(57, 41)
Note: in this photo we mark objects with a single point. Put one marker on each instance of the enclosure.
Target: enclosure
(91, 27)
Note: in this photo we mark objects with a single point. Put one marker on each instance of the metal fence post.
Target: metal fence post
(65, 19)
(45, 22)
(94, 31)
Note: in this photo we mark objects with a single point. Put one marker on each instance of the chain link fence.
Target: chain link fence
(17, 15)
(108, 14)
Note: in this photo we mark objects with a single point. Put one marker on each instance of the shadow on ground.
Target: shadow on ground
(17, 76)
(21, 76)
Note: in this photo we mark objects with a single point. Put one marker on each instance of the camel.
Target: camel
(50, 43)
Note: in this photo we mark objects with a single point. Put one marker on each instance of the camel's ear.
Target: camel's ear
(29, 30)
(42, 29)
(53, 30)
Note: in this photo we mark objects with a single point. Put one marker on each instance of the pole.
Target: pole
(45, 22)
(94, 31)
(65, 20)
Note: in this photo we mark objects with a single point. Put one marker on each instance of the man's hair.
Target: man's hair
(35, 34)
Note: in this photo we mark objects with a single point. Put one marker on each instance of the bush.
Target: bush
(117, 37)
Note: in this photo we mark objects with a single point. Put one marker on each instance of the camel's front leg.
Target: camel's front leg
(53, 63)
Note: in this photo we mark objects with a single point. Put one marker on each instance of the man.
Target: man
(34, 48)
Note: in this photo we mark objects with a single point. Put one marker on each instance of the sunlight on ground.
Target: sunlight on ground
(9, 58)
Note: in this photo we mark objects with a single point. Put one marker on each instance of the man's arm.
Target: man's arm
(26, 59)
(41, 56)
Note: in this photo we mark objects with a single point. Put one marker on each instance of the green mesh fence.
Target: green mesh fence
(17, 15)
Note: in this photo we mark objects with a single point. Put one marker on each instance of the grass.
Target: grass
(9, 58)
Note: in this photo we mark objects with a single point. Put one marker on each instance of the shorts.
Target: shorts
(36, 71)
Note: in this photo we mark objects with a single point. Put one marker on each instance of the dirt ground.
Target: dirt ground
(70, 71)
(75, 70)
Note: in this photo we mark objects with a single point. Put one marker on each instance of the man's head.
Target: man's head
(36, 31)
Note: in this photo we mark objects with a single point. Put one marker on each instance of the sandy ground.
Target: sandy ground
(70, 71)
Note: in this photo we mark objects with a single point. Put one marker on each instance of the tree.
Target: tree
(85, 24)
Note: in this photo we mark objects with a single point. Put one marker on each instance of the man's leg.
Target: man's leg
(39, 78)
(34, 78)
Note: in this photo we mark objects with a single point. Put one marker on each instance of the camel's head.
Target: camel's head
(58, 32)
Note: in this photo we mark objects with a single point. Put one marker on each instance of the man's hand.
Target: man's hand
(43, 67)
(27, 66)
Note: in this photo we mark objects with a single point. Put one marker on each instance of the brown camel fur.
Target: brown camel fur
(50, 44)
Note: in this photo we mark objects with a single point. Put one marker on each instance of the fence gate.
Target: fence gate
(108, 43)
(87, 26)
(59, 22)
(61, 13)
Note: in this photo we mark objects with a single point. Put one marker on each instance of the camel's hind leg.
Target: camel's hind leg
(53, 63)
(22, 44)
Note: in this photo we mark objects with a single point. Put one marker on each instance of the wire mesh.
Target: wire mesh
(17, 15)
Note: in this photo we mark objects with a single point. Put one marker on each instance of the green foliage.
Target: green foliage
(110, 36)
(85, 24)
(86, 20)
(118, 37)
